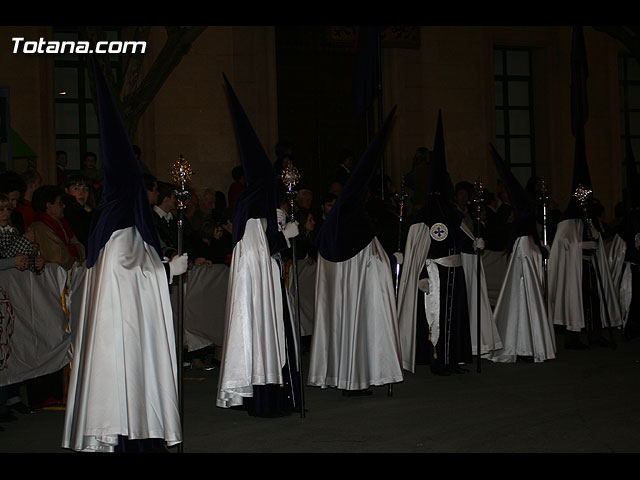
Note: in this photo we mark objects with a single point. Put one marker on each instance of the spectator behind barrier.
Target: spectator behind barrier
(58, 244)
(16, 247)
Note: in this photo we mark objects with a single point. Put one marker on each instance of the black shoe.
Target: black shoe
(21, 408)
(356, 393)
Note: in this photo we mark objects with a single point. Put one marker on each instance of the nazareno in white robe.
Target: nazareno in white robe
(621, 275)
(415, 256)
(124, 372)
(254, 350)
(521, 313)
(355, 341)
(565, 279)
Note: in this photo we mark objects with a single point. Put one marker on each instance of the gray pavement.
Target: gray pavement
(583, 401)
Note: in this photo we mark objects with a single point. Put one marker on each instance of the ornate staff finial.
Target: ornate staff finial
(582, 194)
(290, 177)
(181, 173)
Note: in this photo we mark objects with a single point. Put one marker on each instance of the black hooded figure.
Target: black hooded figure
(433, 311)
(123, 388)
(259, 366)
(578, 268)
(520, 313)
(355, 340)
(626, 258)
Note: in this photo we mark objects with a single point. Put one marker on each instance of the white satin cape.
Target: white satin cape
(565, 279)
(621, 275)
(355, 341)
(520, 313)
(415, 256)
(306, 270)
(254, 345)
(123, 376)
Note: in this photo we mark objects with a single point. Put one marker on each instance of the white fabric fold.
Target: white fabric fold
(355, 341)
(254, 345)
(205, 296)
(415, 256)
(495, 269)
(432, 298)
(432, 301)
(306, 271)
(620, 274)
(123, 377)
(520, 314)
(489, 336)
(565, 279)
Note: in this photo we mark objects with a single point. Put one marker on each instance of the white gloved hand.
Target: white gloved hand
(423, 285)
(178, 265)
(478, 244)
(399, 257)
(281, 217)
(291, 230)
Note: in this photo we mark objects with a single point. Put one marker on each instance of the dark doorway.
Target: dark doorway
(316, 109)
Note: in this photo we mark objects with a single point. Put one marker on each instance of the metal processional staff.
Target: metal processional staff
(400, 197)
(478, 198)
(181, 173)
(290, 177)
(544, 197)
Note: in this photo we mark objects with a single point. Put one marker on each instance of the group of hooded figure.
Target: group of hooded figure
(367, 331)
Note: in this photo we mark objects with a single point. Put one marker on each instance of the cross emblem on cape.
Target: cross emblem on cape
(439, 231)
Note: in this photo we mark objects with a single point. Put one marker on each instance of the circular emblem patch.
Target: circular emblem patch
(438, 231)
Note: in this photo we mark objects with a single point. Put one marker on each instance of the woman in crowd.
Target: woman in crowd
(52, 232)
(214, 243)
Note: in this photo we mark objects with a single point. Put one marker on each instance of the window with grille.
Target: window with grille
(629, 81)
(514, 110)
(76, 120)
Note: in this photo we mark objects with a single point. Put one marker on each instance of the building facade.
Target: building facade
(506, 86)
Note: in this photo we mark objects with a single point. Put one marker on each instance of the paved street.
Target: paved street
(583, 401)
